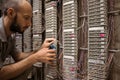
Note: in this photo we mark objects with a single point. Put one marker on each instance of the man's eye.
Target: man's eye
(26, 18)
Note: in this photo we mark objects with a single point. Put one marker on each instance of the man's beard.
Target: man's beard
(15, 27)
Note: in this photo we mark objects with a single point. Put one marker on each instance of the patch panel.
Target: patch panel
(19, 41)
(37, 24)
(97, 36)
(51, 31)
(37, 31)
(69, 39)
(27, 40)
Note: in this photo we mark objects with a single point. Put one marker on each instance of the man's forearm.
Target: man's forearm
(13, 70)
(24, 55)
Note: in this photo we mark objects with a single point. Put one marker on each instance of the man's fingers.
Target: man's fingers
(52, 59)
(50, 40)
(51, 50)
(52, 55)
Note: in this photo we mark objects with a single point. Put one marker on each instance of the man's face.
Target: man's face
(21, 21)
(15, 27)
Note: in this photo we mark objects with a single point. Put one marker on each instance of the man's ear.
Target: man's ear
(11, 13)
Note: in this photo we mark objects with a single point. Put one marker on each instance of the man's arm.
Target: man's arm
(11, 71)
(26, 60)
(19, 56)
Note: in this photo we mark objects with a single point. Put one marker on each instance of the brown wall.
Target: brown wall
(115, 70)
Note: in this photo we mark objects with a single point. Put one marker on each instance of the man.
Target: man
(16, 17)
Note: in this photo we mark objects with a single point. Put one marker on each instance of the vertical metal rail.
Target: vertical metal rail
(82, 32)
(59, 38)
(43, 36)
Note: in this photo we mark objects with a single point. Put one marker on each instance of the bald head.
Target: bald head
(17, 15)
(15, 4)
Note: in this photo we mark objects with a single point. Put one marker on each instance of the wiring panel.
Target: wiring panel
(69, 39)
(51, 32)
(37, 24)
(19, 41)
(97, 39)
(27, 40)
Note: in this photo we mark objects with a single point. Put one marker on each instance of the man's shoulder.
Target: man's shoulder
(2, 31)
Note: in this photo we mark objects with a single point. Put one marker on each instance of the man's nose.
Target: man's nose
(28, 24)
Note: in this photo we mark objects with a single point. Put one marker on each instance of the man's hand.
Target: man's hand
(45, 55)
(48, 42)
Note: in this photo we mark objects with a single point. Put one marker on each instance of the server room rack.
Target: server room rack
(96, 47)
(19, 41)
(37, 24)
(70, 24)
(97, 39)
(51, 32)
(37, 36)
(27, 40)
